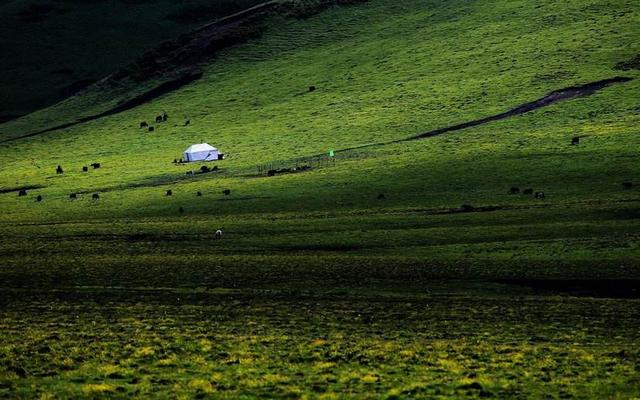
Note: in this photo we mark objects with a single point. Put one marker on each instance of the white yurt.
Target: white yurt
(201, 152)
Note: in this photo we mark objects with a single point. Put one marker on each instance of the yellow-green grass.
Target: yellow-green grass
(209, 344)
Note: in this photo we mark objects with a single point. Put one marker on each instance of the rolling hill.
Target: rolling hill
(383, 73)
(53, 49)
(440, 116)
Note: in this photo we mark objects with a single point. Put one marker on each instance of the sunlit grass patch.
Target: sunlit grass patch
(97, 388)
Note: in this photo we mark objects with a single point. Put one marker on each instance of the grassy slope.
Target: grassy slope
(333, 290)
(383, 71)
(80, 40)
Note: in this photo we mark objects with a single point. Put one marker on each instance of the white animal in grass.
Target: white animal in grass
(218, 234)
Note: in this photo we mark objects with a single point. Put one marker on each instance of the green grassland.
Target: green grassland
(383, 72)
(320, 287)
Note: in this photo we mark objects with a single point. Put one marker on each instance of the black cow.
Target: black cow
(198, 193)
(165, 117)
(575, 140)
(181, 210)
(205, 169)
(95, 196)
(96, 165)
(159, 119)
(187, 122)
(527, 191)
(467, 208)
(73, 196)
(39, 198)
(381, 196)
(22, 192)
(169, 192)
(226, 192)
(85, 169)
(59, 170)
(539, 195)
(143, 124)
(151, 129)
(312, 88)
(514, 190)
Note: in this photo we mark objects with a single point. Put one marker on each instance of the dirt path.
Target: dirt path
(551, 98)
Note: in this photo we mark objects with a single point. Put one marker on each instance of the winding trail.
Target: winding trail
(551, 98)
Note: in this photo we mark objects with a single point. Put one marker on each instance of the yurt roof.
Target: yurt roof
(196, 148)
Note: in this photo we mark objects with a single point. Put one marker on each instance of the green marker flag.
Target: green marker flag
(330, 153)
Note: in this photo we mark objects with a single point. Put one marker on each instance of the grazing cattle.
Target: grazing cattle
(189, 172)
(226, 192)
(539, 195)
(204, 169)
(165, 117)
(95, 196)
(187, 122)
(180, 161)
(381, 196)
(169, 192)
(271, 172)
(39, 198)
(85, 169)
(73, 196)
(59, 170)
(199, 194)
(151, 129)
(627, 185)
(22, 192)
(527, 191)
(514, 190)
(96, 165)
(215, 168)
(312, 88)
(575, 140)
(181, 210)
(218, 234)
(159, 119)
(175, 160)
(143, 124)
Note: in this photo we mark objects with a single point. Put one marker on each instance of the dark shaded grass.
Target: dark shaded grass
(144, 343)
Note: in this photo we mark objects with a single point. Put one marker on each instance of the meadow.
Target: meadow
(233, 344)
(404, 270)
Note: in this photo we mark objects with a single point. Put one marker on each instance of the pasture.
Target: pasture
(403, 269)
(262, 344)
